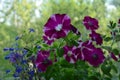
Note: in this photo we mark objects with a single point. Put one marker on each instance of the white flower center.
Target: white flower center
(69, 53)
(58, 27)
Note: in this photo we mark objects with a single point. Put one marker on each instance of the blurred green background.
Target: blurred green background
(19, 15)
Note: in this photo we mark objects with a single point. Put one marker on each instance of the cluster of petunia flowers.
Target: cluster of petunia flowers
(58, 26)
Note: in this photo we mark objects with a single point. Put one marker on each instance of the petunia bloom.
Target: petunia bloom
(113, 56)
(42, 61)
(69, 54)
(75, 30)
(90, 23)
(96, 37)
(94, 57)
(57, 26)
(78, 52)
(119, 23)
(48, 40)
(87, 44)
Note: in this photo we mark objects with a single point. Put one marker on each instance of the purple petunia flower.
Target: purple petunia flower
(79, 53)
(70, 54)
(42, 61)
(96, 37)
(90, 23)
(57, 26)
(94, 57)
(119, 23)
(75, 30)
(87, 44)
(113, 56)
(48, 40)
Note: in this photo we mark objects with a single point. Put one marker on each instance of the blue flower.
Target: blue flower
(19, 69)
(11, 49)
(31, 73)
(24, 51)
(31, 30)
(17, 37)
(7, 57)
(7, 71)
(38, 47)
(14, 57)
(23, 61)
(15, 75)
(5, 49)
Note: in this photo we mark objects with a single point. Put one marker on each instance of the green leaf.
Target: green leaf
(29, 54)
(114, 68)
(114, 25)
(107, 39)
(52, 55)
(68, 74)
(115, 51)
(107, 78)
(93, 78)
(65, 64)
(117, 37)
(106, 70)
(119, 76)
(107, 48)
(44, 46)
(60, 52)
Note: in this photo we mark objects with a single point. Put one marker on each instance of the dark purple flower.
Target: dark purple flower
(113, 56)
(79, 53)
(42, 61)
(90, 23)
(96, 37)
(87, 44)
(48, 40)
(75, 30)
(57, 26)
(70, 54)
(94, 57)
(119, 23)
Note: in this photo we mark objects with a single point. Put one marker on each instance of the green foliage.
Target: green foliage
(23, 14)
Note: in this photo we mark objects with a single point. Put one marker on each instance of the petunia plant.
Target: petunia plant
(62, 53)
